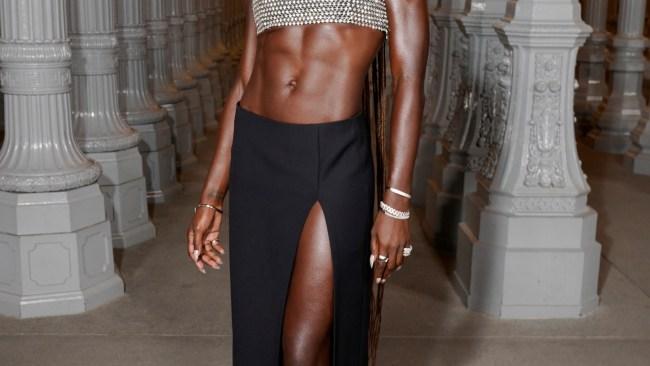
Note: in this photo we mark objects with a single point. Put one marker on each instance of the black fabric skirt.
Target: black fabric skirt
(278, 172)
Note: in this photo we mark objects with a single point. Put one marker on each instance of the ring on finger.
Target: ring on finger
(383, 258)
(407, 250)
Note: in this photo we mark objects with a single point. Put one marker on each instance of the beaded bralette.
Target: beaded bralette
(275, 13)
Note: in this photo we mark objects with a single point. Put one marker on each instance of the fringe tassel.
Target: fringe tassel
(374, 105)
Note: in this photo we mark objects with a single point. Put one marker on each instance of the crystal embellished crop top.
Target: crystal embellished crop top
(274, 13)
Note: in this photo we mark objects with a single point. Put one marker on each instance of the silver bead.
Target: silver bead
(278, 13)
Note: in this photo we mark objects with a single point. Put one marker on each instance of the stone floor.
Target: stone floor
(173, 315)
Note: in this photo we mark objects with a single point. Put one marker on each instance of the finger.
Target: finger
(218, 247)
(380, 267)
(374, 250)
(212, 258)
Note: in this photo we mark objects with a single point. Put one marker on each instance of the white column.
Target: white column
(450, 42)
(99, 129)
(182, 78)
(140, 108)
(208, 55)
(426, 145)
(529, 251)
(464, 144)
(163, 87)
(626, 102)
(56, 255)
(591, 71)
(196, 68)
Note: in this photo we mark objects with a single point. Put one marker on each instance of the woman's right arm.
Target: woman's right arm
(207, 221)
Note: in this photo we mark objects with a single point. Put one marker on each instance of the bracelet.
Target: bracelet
(394, 213)
(401, 193)
(208, 206)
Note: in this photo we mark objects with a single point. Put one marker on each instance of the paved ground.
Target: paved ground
(173, 315)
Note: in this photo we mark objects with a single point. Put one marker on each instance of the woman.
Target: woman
(294, 151)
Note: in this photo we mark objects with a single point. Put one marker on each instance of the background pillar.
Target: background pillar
(205, 31)
(138, 105)
(162, 84)
(99, 129)
(56, 255)
(215, 52)
(451, 39)
(592, 83)
(182, 78)
(534, 254)
(626, 102)
(196, 68)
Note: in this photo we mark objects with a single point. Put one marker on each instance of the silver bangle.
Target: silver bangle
(394, 213)
(398, 192)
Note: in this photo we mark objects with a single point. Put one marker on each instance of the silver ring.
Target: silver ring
(407, 250)
(383, 258)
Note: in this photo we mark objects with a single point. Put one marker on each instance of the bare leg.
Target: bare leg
(309, 310)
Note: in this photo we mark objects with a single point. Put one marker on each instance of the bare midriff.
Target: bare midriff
(311, 73)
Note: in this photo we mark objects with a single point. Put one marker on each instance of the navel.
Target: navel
(292, 84)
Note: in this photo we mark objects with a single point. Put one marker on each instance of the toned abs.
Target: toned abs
(311, 74)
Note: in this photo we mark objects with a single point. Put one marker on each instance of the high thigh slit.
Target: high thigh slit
(278, 171)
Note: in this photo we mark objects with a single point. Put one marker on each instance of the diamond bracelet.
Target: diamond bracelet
(394, 213)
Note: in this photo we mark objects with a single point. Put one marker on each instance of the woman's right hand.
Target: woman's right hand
(203, 246)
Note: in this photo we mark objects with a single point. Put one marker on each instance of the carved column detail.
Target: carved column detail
(100, 130)
(527, 248)
(456, 167)
(592, 84)
(138, 105)
(626, 102)
(215, 51)
(196, 68)
(164, 89)
(182, 78)
(55, 242)
(451, 40)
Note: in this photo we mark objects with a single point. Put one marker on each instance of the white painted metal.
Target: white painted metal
(99, 129)
(56, 255)
(527, 248)
(626, 103)
(138, 105)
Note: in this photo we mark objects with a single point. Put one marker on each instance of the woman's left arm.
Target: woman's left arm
(408, 47)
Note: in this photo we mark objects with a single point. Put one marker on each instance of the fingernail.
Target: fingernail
(378, 280)
(398, 268)
(383, 281)
(203, 271)
(215, 267)
(196, 254)
(372, 260)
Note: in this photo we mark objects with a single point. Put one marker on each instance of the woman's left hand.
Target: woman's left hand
(389, 237)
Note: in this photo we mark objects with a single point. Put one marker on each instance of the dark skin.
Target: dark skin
(311, 74)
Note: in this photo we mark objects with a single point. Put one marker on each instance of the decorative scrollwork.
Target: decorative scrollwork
(544, 167)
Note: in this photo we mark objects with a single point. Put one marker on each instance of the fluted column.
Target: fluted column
(591, 71)
(426, 145)
(451, 40)
(626, 102)
(196, 68)
(214, 51)
(219, 51)
(56, 254)
(138, 105)
(99, 129)
(185, 83)
(531, 252)
(206, 51)
(162, 83)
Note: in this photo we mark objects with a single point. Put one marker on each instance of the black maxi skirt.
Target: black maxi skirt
(278, 172)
